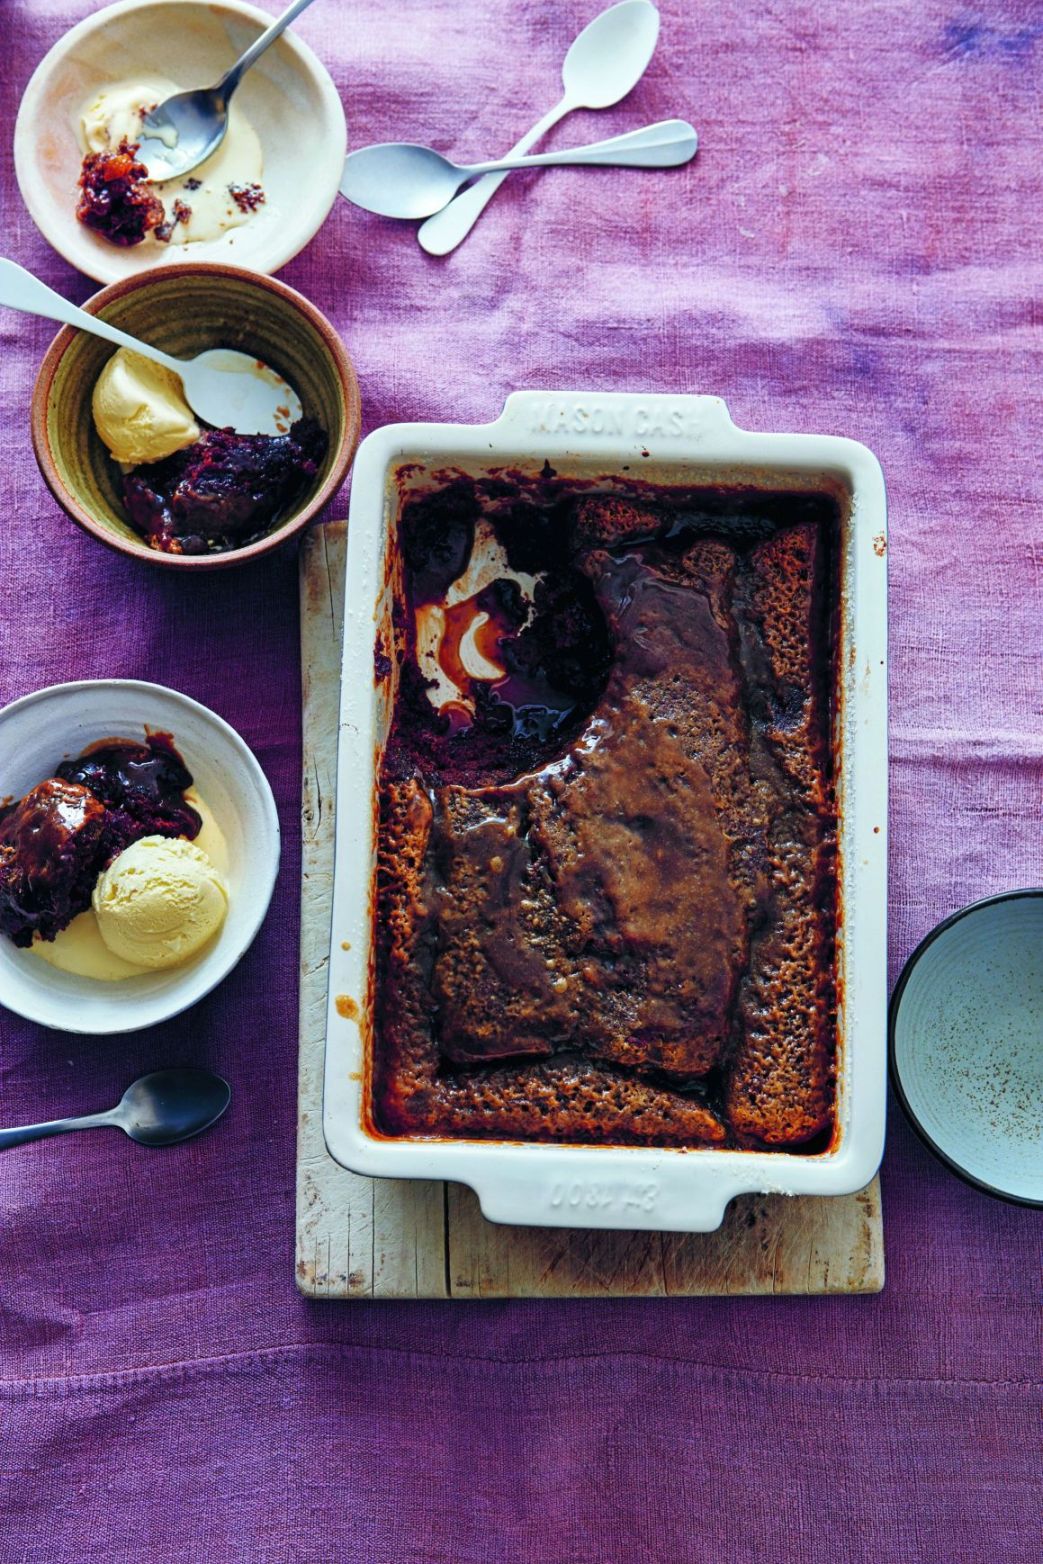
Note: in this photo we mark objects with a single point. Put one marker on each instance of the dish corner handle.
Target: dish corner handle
(569, 1192)
(581, 417)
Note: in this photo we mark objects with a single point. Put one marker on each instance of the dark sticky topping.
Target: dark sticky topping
(224, 490)
(56, 840)
(437, 535)
(116, 199)
(50, 843)
(555, 652)
(568, 892)
(142, 787)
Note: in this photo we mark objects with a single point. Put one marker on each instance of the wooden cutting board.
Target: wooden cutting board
(362, 1237)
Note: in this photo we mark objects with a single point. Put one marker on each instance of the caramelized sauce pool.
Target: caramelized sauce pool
(550, 647)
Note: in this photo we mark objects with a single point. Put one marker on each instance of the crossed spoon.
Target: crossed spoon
(406, 180)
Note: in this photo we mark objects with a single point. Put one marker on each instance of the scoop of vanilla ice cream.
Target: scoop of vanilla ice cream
(159, 901)
(140, 410)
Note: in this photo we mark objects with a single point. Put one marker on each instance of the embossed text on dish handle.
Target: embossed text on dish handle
(604, 1194)
(615, 417)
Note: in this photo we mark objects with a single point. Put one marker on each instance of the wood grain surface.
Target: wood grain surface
(362, 1237)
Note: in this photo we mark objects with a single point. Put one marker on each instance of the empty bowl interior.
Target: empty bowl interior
(184, 313)
(288, 96)
(35, 734)
(968, 1044)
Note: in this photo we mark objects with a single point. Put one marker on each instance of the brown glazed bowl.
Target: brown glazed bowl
(184, 309)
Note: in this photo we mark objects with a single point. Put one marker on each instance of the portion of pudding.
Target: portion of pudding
(117, 199)
(50, 844)
(142, 786)
(606, 893)
(223, 491)
(113, 826)
(188, 490)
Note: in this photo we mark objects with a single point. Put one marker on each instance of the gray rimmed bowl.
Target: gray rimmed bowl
(184, 309)
(966, 1044)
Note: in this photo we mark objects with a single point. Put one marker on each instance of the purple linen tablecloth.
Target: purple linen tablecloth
(856, 250)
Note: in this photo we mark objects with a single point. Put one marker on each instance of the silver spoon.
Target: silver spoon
(400, 179)
(604, 63)
(183, 130)
(158, 1110)
(222, 386)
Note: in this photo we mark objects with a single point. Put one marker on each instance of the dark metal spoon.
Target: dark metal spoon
(157, 1110)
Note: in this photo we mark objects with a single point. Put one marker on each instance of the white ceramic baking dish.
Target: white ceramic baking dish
(666, 439)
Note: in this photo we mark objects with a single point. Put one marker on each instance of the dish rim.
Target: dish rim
(602, 432)
(1021, 893)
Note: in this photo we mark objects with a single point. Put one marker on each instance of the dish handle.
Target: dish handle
(653, 423)
(630, 1194)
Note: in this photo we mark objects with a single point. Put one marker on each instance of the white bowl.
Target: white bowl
(613, 439)
(288, 96)
(41, 729)
(967, 1044)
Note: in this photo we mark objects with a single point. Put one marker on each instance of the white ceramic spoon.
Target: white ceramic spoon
(401, 179)
(222, 386)
(604, 63)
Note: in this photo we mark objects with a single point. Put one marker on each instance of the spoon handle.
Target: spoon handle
(454, 222)
(20, 290)
(230, 80)
(663, 145)
(24, 1132)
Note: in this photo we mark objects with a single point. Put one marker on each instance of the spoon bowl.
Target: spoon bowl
(171, 1105)
(160, 1109)
(610, 55)
(402, 179)
(183, 130)
(227, 388)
